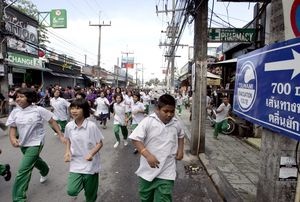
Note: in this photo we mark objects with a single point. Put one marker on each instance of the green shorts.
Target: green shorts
(155, 191)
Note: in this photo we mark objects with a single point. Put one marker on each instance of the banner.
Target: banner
(267, 89)
(127, 62)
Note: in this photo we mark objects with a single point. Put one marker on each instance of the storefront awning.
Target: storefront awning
(33, 68)
(89, 77)
(233, 60)
(66, 75)
(213, 76)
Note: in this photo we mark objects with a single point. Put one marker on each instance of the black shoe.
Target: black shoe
(7, 174)
(135, 151)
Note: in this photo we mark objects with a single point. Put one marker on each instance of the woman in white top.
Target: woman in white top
(102, 109)
(27, 120)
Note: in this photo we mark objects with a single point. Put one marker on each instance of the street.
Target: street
(117, 179)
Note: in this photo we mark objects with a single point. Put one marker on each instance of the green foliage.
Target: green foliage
(155, 82)
(27, 7)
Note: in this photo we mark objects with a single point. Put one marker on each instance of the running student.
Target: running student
(84, 141)
(159, 139)
(120, 119)
(102, 109)
(60, 109)
(27, 120)
(137, 113)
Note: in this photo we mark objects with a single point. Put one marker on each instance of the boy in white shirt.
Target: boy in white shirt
(221, 114)
(159, 138)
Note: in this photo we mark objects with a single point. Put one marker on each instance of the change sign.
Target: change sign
(267, 87)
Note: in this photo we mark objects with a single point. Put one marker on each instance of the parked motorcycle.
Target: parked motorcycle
(211, 115)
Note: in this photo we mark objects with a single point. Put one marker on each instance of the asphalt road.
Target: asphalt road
(118, 182)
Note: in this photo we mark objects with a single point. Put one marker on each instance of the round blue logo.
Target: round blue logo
(247, 86)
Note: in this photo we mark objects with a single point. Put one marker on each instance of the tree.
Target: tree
(155, 82)
(30, 9)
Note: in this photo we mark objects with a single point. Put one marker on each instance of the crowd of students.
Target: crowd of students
(158, 137)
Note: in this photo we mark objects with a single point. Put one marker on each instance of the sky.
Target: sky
(135, 28)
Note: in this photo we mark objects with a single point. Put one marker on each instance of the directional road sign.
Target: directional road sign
(267, 87)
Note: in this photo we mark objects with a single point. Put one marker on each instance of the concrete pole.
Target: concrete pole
(99, 43)
(199, 94)
(274, 146)
(3, 82)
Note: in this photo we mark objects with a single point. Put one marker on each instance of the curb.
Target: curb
(224, 188)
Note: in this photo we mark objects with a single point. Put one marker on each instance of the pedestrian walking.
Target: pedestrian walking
(159, 138)
(60, 108)
(221, 114)
(84, 141)
(102, 108)
(120, 119)
(27, 120)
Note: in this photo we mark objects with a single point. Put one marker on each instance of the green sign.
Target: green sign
(58, 18)
(231, 35)
(24, 61)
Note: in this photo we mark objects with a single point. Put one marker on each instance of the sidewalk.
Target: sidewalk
(232, 164)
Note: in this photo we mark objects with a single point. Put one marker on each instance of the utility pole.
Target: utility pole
(273, 145)
(100, 25)
(171, 32)
(4, 68)
(200, 61)
(126, 66)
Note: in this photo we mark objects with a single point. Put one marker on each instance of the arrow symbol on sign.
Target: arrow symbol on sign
(292, 64)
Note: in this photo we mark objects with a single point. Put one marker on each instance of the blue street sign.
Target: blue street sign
(267, 87)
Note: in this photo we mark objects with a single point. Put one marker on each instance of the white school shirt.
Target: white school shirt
(161, 140)
(222, 115)
(119, 110)
(83, 139)
(60, 108)
(146, 99)
(128, 101)
(137, 118)
(102, 108)
(30, 124)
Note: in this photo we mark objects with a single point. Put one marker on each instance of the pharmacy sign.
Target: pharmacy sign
(231, 35)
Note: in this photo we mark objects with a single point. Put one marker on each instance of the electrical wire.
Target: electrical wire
(213, 6)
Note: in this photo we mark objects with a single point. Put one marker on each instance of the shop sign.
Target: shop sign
(231, 35)
(267, 88)
(17, 24)
(24, 60)
(58, 18)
